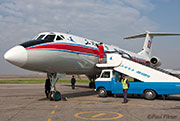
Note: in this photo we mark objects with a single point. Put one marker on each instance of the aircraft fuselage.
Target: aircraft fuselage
(58, 53)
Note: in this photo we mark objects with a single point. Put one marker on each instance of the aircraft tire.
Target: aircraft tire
(102, 92)
(51, 95)
(54, 96)
(57, 96)
(150, 94)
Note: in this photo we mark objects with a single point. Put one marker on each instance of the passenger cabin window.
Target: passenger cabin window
(106, 74)
(58, 38)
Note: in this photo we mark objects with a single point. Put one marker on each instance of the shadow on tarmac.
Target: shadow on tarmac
(73, 95)
(79, 94)
(90, 93)
(170, 97)
(81, 86)
(43, 99)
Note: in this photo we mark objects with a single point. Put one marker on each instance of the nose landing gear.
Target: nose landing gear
(53, 94)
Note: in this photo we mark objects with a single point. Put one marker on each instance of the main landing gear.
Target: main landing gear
(53, 94)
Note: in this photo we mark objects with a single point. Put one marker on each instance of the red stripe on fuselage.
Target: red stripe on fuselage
(140, 61)
(67, 47)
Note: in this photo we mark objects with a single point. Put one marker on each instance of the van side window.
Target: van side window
(106, 74)
(137, 80)
(130, 79)
(58, 38)
(119, 77)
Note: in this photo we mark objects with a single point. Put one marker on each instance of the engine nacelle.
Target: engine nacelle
(155, 61)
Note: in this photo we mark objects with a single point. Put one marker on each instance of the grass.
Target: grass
(40, 81)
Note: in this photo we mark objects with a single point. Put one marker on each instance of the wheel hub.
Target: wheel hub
(149, 93)
(102, 91)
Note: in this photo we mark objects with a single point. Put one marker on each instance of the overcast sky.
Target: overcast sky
(108, 21)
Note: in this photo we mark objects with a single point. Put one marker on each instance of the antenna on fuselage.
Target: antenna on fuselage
(68, 32)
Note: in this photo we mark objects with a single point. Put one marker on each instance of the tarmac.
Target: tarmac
(27, 102)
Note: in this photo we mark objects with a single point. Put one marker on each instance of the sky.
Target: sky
(108, 21)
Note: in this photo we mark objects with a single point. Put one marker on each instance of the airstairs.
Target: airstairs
(142, 72)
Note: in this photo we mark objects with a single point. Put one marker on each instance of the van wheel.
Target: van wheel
(150, 94)
(102, 92)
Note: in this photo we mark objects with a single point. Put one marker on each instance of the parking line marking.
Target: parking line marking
(55, 106)
(49, 119)
(98, 115)
(83, 115)
(53, 112)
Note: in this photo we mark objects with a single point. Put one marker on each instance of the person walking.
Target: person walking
(125, 86)
(73, 81)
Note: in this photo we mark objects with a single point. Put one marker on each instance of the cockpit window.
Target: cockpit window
(40, 37)
(62, 36)
(50, 37)
(58, 38)
(39, 40)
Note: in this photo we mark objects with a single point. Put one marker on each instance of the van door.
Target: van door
(136, 86)
(104, 80)
(116, 84)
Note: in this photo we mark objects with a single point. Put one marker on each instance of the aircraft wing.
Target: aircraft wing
(173, 71)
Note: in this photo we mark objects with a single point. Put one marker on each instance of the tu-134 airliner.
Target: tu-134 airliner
(54, 52)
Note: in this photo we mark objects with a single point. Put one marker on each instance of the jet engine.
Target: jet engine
(155, 61)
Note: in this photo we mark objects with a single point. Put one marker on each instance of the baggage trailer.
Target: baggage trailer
(144, 79)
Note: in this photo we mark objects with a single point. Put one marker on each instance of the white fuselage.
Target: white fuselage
(65, 53)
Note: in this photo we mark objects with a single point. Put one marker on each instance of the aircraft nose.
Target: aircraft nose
(17, 56)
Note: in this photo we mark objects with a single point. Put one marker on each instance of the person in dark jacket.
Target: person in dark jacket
(73, 81)
(47, 87)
